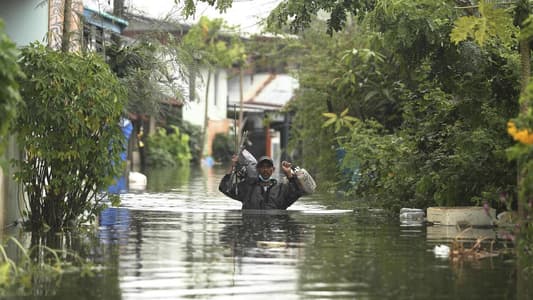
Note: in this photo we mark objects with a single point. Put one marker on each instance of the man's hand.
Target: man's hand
(234, 160)
(286, 167)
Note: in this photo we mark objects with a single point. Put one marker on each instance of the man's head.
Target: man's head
(265, 167)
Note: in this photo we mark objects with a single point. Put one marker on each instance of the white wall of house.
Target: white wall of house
(194, 111)
(25, 21)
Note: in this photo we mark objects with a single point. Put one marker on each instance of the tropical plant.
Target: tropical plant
(494, 22)
(68, 129)
(223, 147)
(147, 69)
(433, 94)
(339, 121)
(168, 148)
(206, 43)
(9, 88)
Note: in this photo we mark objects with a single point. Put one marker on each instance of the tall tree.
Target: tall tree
(212, 48)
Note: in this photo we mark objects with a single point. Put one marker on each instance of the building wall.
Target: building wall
(194, 112)
(216, 126)
(25, 21)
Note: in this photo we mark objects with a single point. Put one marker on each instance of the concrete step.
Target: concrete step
(463, 216)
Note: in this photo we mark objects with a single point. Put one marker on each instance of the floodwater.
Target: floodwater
(183, 239)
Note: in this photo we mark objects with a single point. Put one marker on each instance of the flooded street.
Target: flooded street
(182, 239)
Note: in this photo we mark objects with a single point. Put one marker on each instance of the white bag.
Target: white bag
(246, 166)
(306, 181)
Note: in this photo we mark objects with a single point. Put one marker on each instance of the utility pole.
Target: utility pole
(118, 11)
(241, 102)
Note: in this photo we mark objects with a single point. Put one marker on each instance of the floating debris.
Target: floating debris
(460, 252)
(411, 217)
(441, 251)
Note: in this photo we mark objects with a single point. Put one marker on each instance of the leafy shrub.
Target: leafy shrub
(69, 129)
(194, 132)
(168, 148)
(222, 147)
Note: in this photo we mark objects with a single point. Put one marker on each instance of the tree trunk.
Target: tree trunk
(206, 111)
(67, 17)
(241, 103)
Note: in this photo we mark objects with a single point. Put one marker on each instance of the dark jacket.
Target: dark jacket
(278, 195)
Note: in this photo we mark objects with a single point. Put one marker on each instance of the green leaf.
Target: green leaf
(329, 122)
(351, 119)
(464, 27)
(337, 126)
(4, 273)
(344, 112)
(493, 22)
(329, 115)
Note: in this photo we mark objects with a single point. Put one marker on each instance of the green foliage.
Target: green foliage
(339, 121)
(223, 147)
(206, 40)
(190, 5)
(149, 77)
(9, 88)
(431, 113)
(492, 22)
(272, 54)
(193, 131)
(522, 154)
(168, 148)
(195, 141)
(207, 45)
(299, 13)
(68, 128)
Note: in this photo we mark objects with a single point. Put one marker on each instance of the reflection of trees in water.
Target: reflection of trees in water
(165, 179)
(263, 234)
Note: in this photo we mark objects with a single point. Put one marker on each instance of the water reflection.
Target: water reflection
(263, 234)
(114, 226)
(163, 179)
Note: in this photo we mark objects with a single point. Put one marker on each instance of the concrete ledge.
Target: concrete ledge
(464, 216)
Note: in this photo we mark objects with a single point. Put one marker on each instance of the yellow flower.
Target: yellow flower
(523, 135)
(511, 128)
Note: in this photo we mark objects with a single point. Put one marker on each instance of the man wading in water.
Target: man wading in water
(262, 191)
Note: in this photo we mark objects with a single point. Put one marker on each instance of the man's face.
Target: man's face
(265, 169)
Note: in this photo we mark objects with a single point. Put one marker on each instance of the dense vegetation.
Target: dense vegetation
(169, 148)
(430, 116)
